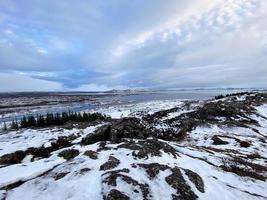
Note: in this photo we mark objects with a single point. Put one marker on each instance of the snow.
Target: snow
(90, 186)
(159, 188)
(23, 139)
(23, 172)
(197, 153)
(262, 110)
(201, 137)
(216, 181)
(218, 184)
(2, 194)
(129, 110)
(175, 114)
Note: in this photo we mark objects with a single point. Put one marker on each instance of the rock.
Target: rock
(63, 141)
(244, 167)
(12, 158)
(153, 169)
(124, 170)
(91, 154)
(218, 141)
(116, 195)
(44, 152)
(103, 146)
(153, 147)
(149, 147)
(40, 152)
(128, 128)
(60, 175)
(110, 164)
(232, 113)
(177, 181)
(117, 130)
(196, 179)
(84, 170)
(101, 134)
(111, 177)
(69, 153)
(245, 144)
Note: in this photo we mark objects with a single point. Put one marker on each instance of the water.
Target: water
(169, 95)
(119, 99)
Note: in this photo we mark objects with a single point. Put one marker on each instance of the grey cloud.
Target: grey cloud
(162, 44)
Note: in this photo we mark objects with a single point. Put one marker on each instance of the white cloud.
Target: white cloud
(166, 28)
(19, 83)
(226, 33)
(137, 44)
(95, 87)
(218, 15)
(42, 51)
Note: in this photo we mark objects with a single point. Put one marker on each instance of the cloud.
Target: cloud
(234, 45)
(20, 83)
(155, 44)
(95, 87)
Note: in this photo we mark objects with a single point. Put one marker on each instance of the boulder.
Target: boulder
(101, 134)
(110, 164)
(218, 141)
(12, 158)
(69, 153)
(116, 195)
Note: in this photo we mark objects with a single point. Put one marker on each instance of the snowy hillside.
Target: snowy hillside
(215, 149)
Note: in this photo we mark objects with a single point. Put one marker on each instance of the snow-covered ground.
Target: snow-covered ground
(100, 169)
(139, 109)
(24, 139)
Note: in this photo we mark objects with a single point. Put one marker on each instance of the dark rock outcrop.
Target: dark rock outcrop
(117, 130)
(222, 112)
(196, 179)
(110, 179)
(128, 128)
(245, 144)
(63, 141)
(116, 195)
(244, 167)
(110, 164)
(153, 169)
(91, 154)
(60, 175)
(149, 147)
(84, 170)
(12, 158)
(40, 152)
(69, 153)
(218, 141)
(101, 134)
(37, 152)
(177, 181)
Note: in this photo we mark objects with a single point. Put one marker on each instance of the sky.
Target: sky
(96, 45)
